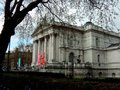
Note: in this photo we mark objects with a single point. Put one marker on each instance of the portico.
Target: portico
(46, 45)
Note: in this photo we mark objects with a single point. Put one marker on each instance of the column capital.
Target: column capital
(36, 41)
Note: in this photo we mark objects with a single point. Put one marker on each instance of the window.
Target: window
(88, 74)
(98, 58)
(71, 57)
(113, 74)
(100, 74)
(97, 42)
(78, 59)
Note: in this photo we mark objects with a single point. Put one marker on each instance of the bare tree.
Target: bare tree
(96, 11)
(101, 11)
(24, 31)
(14, 14)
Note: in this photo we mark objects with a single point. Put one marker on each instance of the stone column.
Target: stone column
(58, 44)
(53, 46)
(45, 47)
(34, 55)
(42, 45)
(50, 49)
(39, 46)
(36, 52)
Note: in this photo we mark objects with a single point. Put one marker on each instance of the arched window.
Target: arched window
(71, 57)
(100, 74)
(97, 42)
(98, 59)
(88, 74)
(78, 59)
(113, 74)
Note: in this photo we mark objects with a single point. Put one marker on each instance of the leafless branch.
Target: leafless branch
(7, 9)
(19, 5)
(14, 5)
(53, 13)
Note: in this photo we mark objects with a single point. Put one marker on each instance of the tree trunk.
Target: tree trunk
(5, 36)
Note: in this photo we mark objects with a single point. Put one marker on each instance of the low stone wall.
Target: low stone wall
(80, 70)
(84, 71)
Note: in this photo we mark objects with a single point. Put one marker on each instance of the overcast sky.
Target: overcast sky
(14, 39)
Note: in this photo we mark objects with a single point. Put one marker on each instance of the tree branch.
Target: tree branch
(52, 13)
(33, 5)
(21, 14)
(14, 5)
(46, 1)
(19, 5)
(7, 9)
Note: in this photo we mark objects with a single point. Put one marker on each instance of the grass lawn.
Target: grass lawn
(50, 81)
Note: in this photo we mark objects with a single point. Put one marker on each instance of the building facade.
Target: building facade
(88, 45)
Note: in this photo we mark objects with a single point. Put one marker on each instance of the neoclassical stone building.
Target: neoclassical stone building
(85, 45)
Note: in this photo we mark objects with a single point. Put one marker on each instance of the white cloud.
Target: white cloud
(13, 43)
(33, 13)
(14, 39)
(1, 22)
(71, 11)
